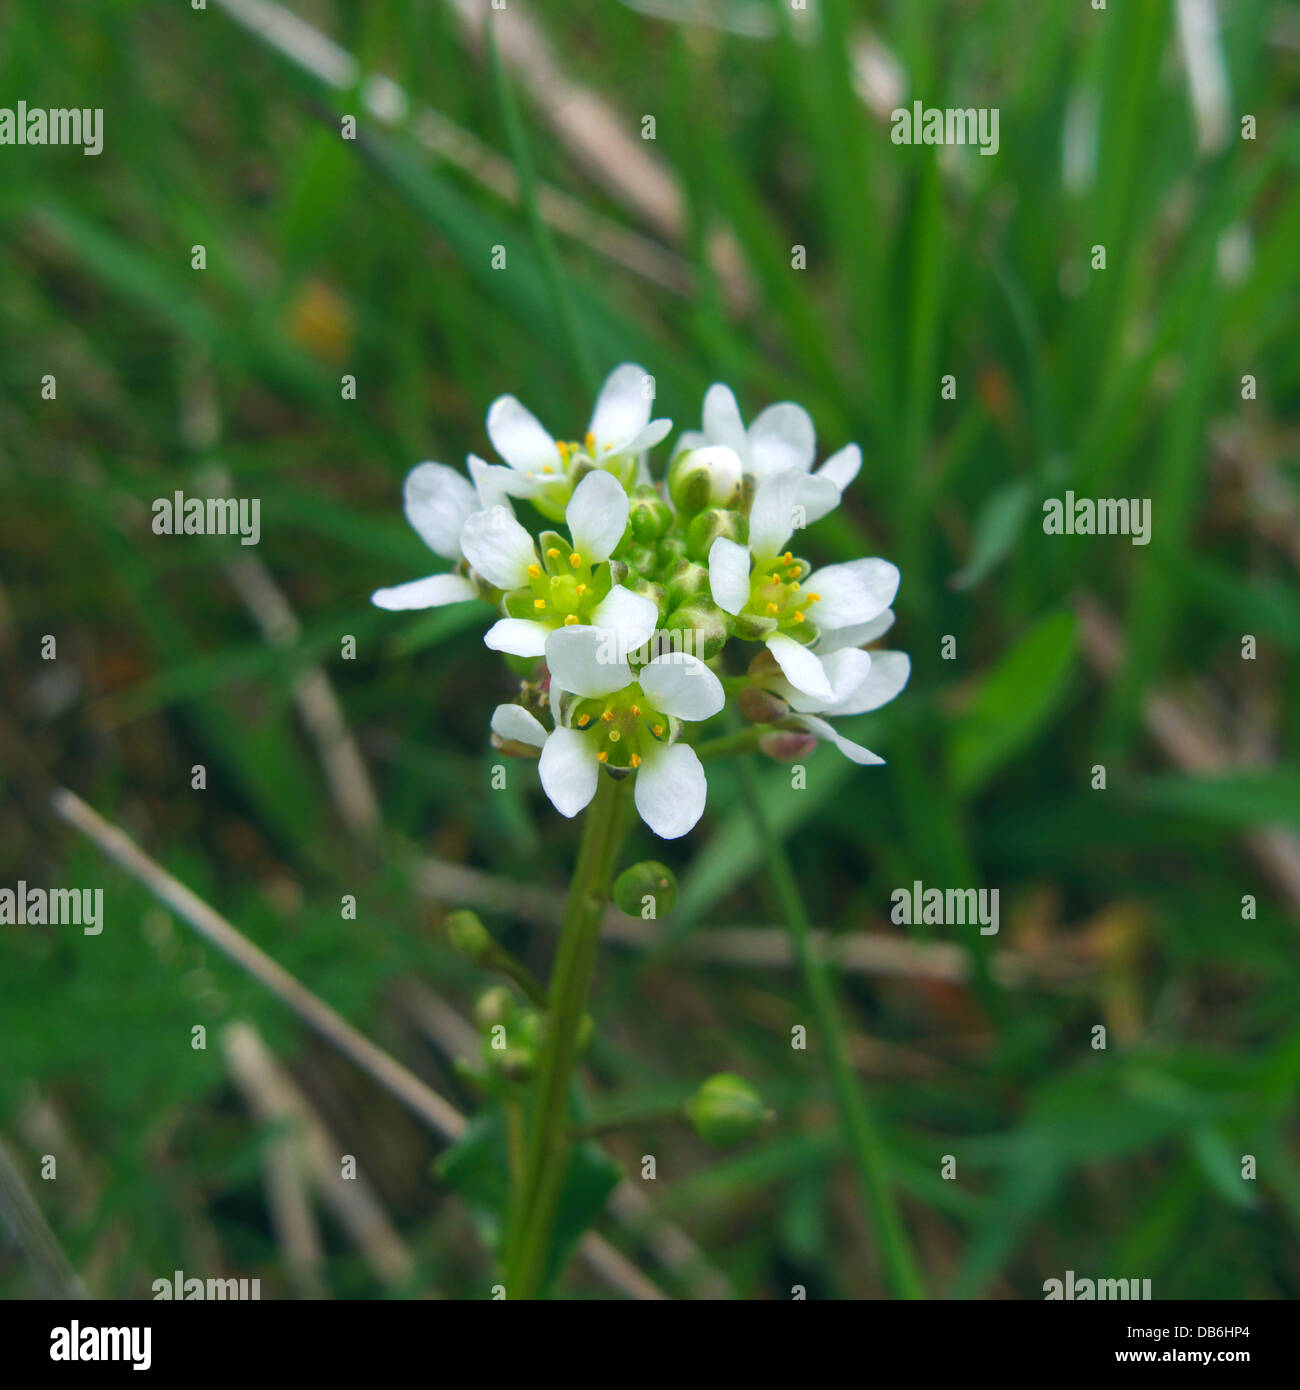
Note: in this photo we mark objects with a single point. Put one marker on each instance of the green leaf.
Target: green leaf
(1268, 796)
(1013, 701)
(997, 528)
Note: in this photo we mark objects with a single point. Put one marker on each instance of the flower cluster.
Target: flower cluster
(632, 602)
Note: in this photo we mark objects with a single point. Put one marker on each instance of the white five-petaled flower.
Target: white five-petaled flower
(781, 438)
(611, 707)
(860, 682)
(503, 552)
(618, 436)
(837, 599)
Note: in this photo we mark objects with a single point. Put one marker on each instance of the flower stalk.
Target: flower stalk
(535, 1201)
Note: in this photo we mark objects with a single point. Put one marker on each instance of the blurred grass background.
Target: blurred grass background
(373, 258)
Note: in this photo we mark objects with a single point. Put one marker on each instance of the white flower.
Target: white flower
(617, 438)
(860, 681)
(769, 587)
(624, 720)
(563, 588)
(781, 438)
(437, 501)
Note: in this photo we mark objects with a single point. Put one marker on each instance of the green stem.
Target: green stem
(868, 1150)
(743, 741)
(535, 1200)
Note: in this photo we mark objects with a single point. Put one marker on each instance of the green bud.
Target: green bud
(494, 1006)
(640, 559)
(516, 1063)
(649, 516)
(705, 621)
(725, 1110)
(753, 627)
(670, 549)
(761, 706)
(708, 526)
(704, 477)
(469, 936)
(687, 581)
(647, 885)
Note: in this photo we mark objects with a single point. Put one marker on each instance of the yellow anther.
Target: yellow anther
(636, 760)
(794, 587)
(792, 574)
(602, 756)
(798, 617)
(788, 558)
(772, 608)
(614, 736)
(534, 570)
(584, 720)
(591, 441)
(776, 578)
(607, 448)
(552, 553)
(539, 603)
(563, 448)
(546, 468)
(581, 589)
(607, 716)
(636, 711)
(657, 730)
(575, 559)
(813, 598)
(571, 618)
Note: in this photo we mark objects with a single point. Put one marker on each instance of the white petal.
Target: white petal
(670, 790)
(842, 468)
(817, 496)
(688, 440)
(597, 516)
(437, 501)
(622, 410)
(517, 435)
(498, 547)
(782, 437)
(433, 592)
(568, 769)
(515, 724)
(518, 636)
(888, 675)
(855, 752)
(682, 685)
(801, 667)
(729, 575)
(855, 592)
(856, 634)
(725, 470)
(773, 518)
(586, 660)
(496, 484)
(632, 618)
(847, 671)
(648, 437)
(722, 422)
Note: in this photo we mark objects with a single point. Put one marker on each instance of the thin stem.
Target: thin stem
(743, 741)
(546, 1161)
(551, 269)
(869, 1154)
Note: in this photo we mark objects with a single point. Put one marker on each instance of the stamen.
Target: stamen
(563, 448)
(636, 711)
(813, 598)
(584, 720)
(798, 617)
(776, 578)
(602, 756)
(591, 442)
(571, 618)
(657, 730)
(552, 553)
(772, 608)
(788, 557)
(607, 716)
(534, 570)
(575, 559)
(636, 759)
(792, 573)
(581, 589)
(539, 603)
(546, 468)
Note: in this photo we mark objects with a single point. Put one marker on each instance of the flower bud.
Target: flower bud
(646, 887)
(707, 624)
(787, 745)
(761, 706)
(703, 477)
(467, 934)
(687, 581)
(670, 549)
(725, 1110)
(494, 1006)
(649, 516)
(639, 559)
(753, 627)
(708, 526)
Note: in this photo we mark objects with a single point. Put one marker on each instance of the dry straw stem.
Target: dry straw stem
(31, 1235)
(1191, 744)
(429, 1107)
(314, 53)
